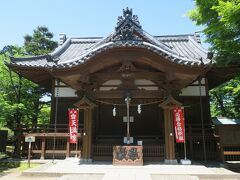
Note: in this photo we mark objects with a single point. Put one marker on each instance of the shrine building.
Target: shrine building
(155, 74)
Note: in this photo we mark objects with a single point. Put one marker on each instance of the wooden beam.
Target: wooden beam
(102, 77)
(120, 94)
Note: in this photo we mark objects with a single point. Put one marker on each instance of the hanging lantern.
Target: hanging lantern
(139, 109)
(114, 111)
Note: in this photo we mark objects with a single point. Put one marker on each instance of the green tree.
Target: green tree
(10, 86)
(221, 19)
(40, 42)
(225, 99)
(18, 93)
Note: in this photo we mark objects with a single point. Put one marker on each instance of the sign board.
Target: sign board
(125, 140)
(30, 139)
(73, 125)
(178, 118)
(139, 143)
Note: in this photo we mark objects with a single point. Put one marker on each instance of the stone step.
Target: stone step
(126, 176)
(174, 177)
(80, 177)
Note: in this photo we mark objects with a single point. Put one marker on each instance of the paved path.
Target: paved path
(18, 176)
(70, 169)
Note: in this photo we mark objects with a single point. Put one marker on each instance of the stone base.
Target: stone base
(85, 161)
(72, 159)
(170, 161)
(185, 162)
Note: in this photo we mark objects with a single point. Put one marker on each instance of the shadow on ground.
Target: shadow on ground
(235, 167)
(4, 166)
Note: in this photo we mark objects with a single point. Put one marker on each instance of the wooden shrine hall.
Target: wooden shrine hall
(154, 73)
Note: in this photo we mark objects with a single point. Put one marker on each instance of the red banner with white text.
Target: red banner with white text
(73, 125)
(178, 118)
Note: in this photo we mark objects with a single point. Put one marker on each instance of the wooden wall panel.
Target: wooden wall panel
(149, 122)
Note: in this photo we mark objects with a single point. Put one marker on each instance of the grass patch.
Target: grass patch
(19, 166)
(24, 166)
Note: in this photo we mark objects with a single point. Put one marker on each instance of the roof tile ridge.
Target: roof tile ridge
(86, 52)
(201, 49)
(56, 53)
(97, 37)
(78, 40)
(19, 59)
(197, 45)
(159, 43)
(103, 41)
(174, 35)
(175, 55)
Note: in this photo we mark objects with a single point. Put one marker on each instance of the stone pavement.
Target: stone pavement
(70, 169)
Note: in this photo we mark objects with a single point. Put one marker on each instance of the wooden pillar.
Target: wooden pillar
(190, 141)
(169, 138)
(168, 106)
(43, 148)
(68, 148)
(87, 136)
(88, 106)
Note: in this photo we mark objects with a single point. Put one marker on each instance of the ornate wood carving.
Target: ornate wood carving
(128, 155)
(85, 103)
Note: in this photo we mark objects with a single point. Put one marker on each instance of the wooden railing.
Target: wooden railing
(39, 128)
(43, 147)
(231, 153)
(150, 151)
(153, 146)
(194, 143)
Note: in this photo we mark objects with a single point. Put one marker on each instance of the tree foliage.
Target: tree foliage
(40, 42)
(22, 101)
(225, 99)
(221, 19)
(18, 96)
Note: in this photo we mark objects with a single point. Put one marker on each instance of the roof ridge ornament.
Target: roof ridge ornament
(126, 25)
(127, 14)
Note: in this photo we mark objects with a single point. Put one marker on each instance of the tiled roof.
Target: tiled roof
(180, 49)
(225, 121)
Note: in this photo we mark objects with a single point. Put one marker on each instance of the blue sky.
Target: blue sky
(85, 18)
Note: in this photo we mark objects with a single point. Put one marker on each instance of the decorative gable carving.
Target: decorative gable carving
(127, 15)
(170, 102)
(85, 103)
(126, 27)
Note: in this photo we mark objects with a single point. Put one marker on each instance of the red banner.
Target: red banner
(178, 118)
(73, 125)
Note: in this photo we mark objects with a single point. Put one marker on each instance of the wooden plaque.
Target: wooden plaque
(128, 155)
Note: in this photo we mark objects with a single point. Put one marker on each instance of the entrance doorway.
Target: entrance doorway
(147, 127)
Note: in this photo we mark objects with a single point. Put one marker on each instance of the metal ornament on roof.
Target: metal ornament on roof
(127, 14)
(126, 25)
